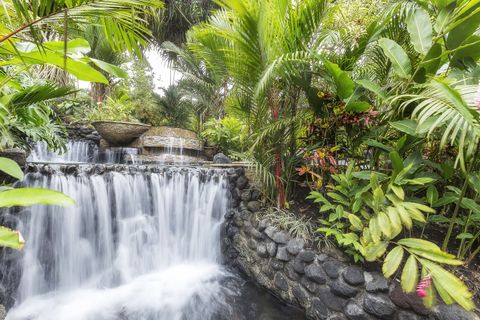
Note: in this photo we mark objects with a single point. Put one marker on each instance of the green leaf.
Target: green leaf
(409, 277)
(429, 299)
(110, 68)
(420, 29)
(433, 59)
(438, 219)
(465, 235)
(11, 168)
(407, 126)
(397, 162)
(29, 196)
(462, 31)
(449, 286)
(432, 195)
(392, 261)
(470, 50)
(395, 221)
(377, 144)
(358, 106)
(440, 257)
(11, 239)
(421, 244)
(375, 250)
(355, 222)
(398, 191)
(384, 224)
(74, 46)
(404, 216)
(373, 87)
(343, 83)
(400, 60)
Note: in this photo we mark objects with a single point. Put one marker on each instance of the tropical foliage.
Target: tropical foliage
(374, 106)
(23, 197)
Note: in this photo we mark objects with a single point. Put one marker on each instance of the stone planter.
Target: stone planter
(118, 133)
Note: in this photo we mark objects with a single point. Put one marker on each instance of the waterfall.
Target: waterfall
(135, 246)
(76, 151)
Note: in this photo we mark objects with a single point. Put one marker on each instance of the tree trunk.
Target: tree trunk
(274, 108)
(98, 92)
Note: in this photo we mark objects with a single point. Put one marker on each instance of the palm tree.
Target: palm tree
(31, 30)
(174, 108)
(263, 45)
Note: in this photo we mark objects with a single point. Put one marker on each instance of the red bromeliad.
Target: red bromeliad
(423, 285)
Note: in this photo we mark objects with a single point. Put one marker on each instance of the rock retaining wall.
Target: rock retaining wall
(325, 285)
(79, 132)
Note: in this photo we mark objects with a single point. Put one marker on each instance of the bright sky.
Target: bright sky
(163, 74)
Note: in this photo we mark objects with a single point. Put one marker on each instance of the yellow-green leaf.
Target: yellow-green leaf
(11, 168)
(404, 216)
(11, 239)
(384, 224)
(429, 299)
(355, 222)
(392, 261)
(450, 284)
(437, 256)
(375, 250)
(29, 196)
(398, 191)
(395, 221)
(409, 277)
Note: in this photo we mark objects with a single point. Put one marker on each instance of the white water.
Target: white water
(77, 151)
(136, 247)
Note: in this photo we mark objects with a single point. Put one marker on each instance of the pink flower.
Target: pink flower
(423, 285)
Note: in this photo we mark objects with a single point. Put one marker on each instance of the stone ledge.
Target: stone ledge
(322, 284)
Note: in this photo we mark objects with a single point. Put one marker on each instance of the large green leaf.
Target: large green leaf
(343, 83)
(409, 277)
(373, 87)
(400, 60)
(74, 46)
(29, 196)
(392, 261)
(407, 126)
(78, 69)
(470, 50)
(420, 29)
(465, 26)
(11, 168)
(11, 239)
(110, 68)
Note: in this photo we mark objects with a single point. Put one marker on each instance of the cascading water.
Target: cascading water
(135, 247)
(142, 243)
(77, 151)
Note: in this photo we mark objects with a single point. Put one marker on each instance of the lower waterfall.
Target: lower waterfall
(137, 246)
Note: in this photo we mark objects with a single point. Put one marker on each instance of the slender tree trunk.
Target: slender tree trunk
(274, 108)
(98, 92)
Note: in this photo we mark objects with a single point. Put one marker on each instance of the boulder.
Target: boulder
(379, 305)
(295, 245)
(315, 273)
(306, 255)
(353, 275)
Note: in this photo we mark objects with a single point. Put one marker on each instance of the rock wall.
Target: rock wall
(325, 285)
(80, 132)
